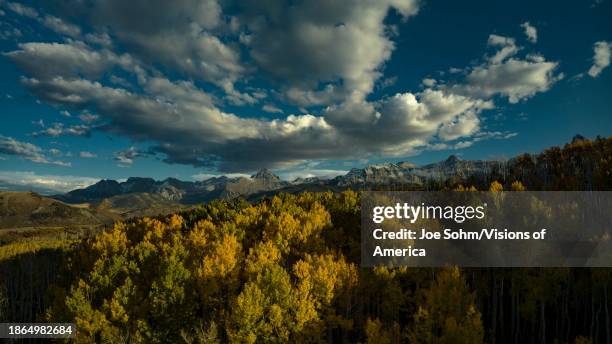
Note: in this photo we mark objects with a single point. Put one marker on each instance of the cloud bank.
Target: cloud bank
(173, 79)
(28, 151)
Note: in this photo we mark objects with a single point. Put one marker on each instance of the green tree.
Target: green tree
(446, 312)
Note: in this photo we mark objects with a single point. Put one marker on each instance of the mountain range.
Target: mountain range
(264, 182)
(582, 164)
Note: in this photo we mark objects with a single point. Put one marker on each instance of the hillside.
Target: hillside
(137, 205)
(28, 209)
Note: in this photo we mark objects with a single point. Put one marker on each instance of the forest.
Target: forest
(287, 269)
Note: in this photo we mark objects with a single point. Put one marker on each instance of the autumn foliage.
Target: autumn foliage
(279, 271)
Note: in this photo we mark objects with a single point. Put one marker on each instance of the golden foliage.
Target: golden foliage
(273, 272)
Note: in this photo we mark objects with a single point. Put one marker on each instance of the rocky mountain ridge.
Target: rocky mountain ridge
(264, 181)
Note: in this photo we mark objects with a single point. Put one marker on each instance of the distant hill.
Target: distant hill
(28, 209)
(136, 205)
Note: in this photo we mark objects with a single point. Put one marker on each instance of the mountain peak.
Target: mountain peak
(264, 173)
(105, 182)
(452, 159)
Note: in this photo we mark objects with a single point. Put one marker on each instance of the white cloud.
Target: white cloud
(315, 53)
(531, 32)
(508, 75)
(515, 79)
(22, 10)
(427, 82)
(181, 35)
(54, 23)
(271, 108)
(601, 58)
(46, 60)
(126, 157)
(293, 174)
(205, 176)
(450, 146)
(462, 126)
(190, 129)
(87, 155)
(43, 182)
(88, 118)
(28, 151)
(508, 48)
(58, 25)
(59, 129)
(339, 52)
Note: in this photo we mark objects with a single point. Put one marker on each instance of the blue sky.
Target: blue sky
(189, 89)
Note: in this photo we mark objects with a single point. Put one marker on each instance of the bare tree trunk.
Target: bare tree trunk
(501, 307)
(595, 339)
(518, 319)
(542, 322)
(607, 315)
(494, 310)
(592, 314)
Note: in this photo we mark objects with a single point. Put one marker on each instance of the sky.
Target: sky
(197, 88)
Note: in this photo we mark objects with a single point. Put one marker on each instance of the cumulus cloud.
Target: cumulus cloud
(181, 35)
(26, 150)
(468, 142)
(601, 58)
(531, 32)
(22, 10)
(43, 183)
(507, 75)
(205, 176)
(516, 79)
(52, 22)
(428, 82)
(88, 118)
(87, 155)
(190, 129)
(507, 46)
(271, 108)
(178, 69)
(58, 25)
(339, 53)
(450, 146)
(293, 174)
(59, 129)
(47, 60)
(126, 157)
(462, 126)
